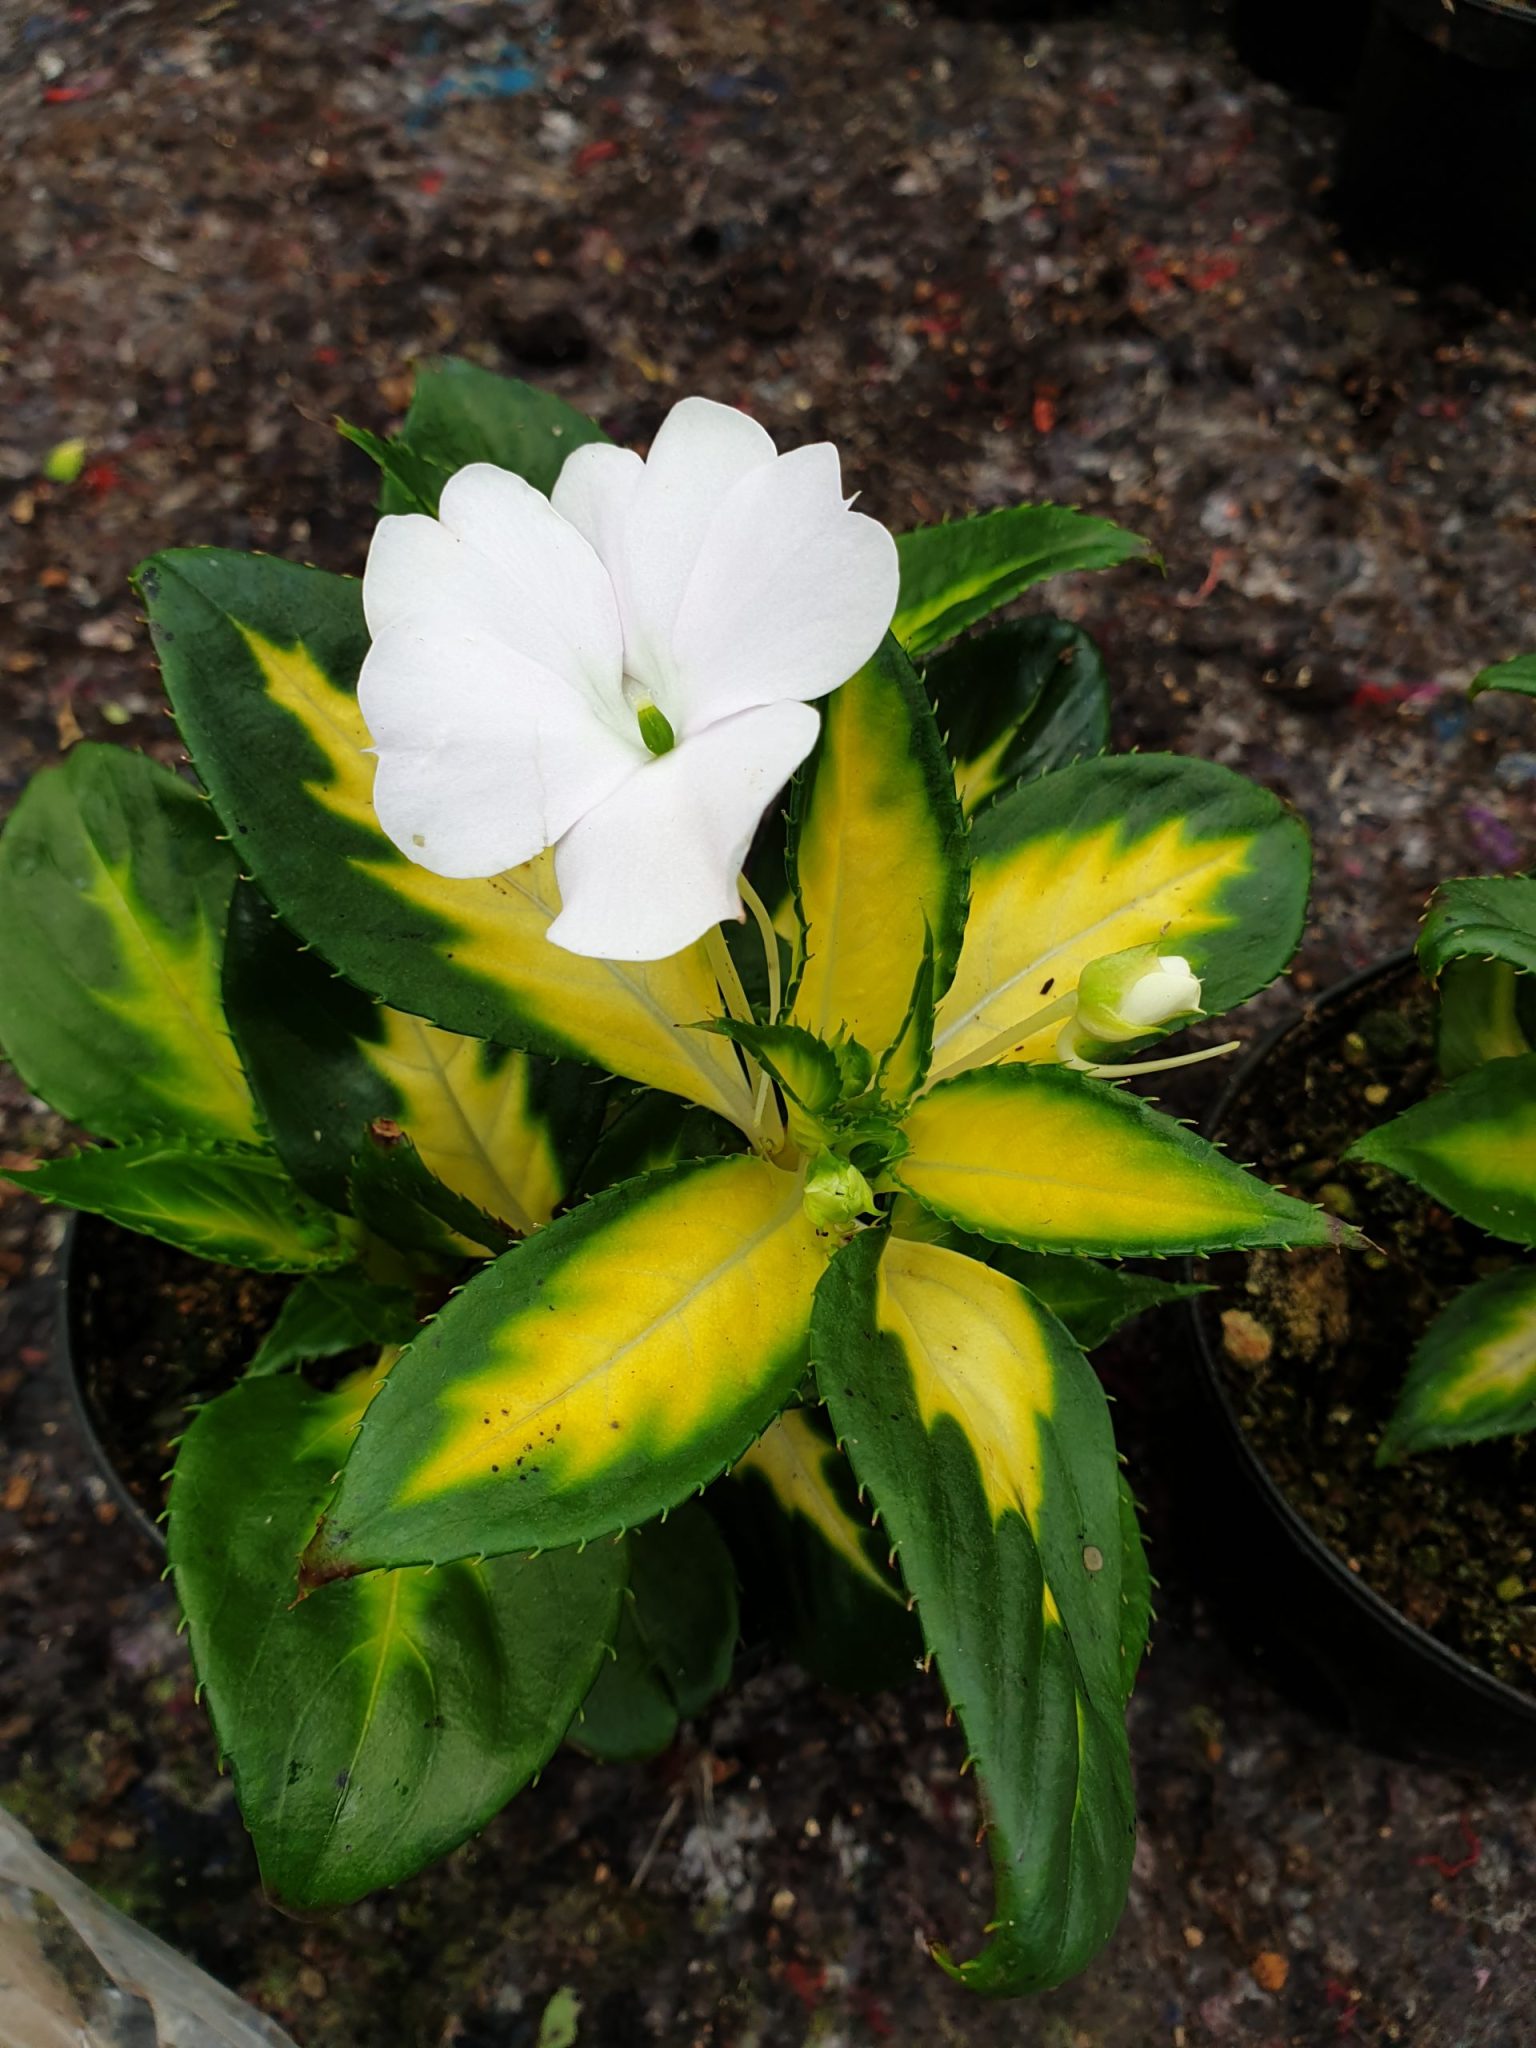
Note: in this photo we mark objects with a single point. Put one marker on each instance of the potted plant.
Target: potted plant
(1369, 1421)
(632, 1178)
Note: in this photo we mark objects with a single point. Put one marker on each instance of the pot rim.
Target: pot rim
(66, 1305)
(1511, 1699)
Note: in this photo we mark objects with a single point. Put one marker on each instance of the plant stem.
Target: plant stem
(770, 939)
(767, 1129)
(1097, 1072)
(1011, 1039)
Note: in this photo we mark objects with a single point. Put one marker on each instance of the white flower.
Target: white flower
(622, 673)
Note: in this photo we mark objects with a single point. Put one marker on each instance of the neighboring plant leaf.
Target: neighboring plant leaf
(1474, 1370)
(460, 413)
(877, 856)
(1134, 850)
(374, 1725)
(506, 1131)
(227, 1202)
(393, 1192)
(593, 1376)
(1518, 675)
(413, 483)
(953, 575)
(804, 1066)
(983, 1437)
(1479, 1016)
(114, 894)
(1472, 1146)
(676, 1640)
(1044, 1158)
(814, 1566)
(649, 1131)
(1485, 917)
(261, 659)
(1019, 702)
(329, 1313)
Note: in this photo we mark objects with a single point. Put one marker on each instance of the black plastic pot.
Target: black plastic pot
(1311, 47)
(75, 1345)
(1439, 157)
(1318, 1630)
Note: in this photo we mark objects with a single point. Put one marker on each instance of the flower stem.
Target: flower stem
(767, 1129)
(770, 939)
(1097, 1072)
(1010, 1040)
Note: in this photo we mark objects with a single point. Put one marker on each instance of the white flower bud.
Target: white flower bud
(1127, 995)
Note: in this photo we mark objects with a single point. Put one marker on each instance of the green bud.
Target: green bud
(836, 1193)
(1127, 995)
(63, 463)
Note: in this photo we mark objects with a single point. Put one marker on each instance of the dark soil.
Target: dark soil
(154, 1332)
(1314, 1347)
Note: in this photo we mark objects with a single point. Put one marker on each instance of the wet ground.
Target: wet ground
(1088, 261)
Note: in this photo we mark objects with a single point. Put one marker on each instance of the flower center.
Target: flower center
(655, 726)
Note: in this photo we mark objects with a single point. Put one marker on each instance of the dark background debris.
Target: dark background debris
(1086, 259)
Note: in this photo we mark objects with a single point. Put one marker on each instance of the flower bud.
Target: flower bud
(1127, 995)
(836, 1193)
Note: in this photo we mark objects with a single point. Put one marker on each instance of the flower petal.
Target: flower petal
(648, 522)
(790, 595)
(485, 757)
(500, 560)
(651, 868)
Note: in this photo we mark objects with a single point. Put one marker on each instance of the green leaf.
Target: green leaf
(260, 660)
(1135, 1593)
(652, 1130)
(591, 1377)
(114, 893)
(1518, 675)
(877, 857)
(1472, 1146)
(413, 483)
(1044, 1158)
(375, 1725)
(953, 575)
(904, 1067)
(329, 1313)
(1474, 1370)
(226, 1202)
(804, 1066)
(814, 1567)
(676, 1640)
(394, 1192)
(1485, 917)
(984, 1439)
(1480, 1016)
(1134, 850)
(460, 413)
(1019, 702)
(505, 1131)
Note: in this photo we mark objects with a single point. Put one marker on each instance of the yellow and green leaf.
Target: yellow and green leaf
(396, 1196)
(591, 1377)
(1480, 1015)
(506, 1131)
(232, 1203)
(1018, 702)
(1138, 849)
(1472, 1146)
(114, 895)
(984, 1441)
(877, 857)
(1047, 1159)
(260, 660)
(375, 1725)
(953, 575)
(816, 1568)
(1473, 1374)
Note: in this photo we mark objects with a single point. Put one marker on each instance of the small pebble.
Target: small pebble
(1510, 1588)
(1270, 1970)
(1245, 1338)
